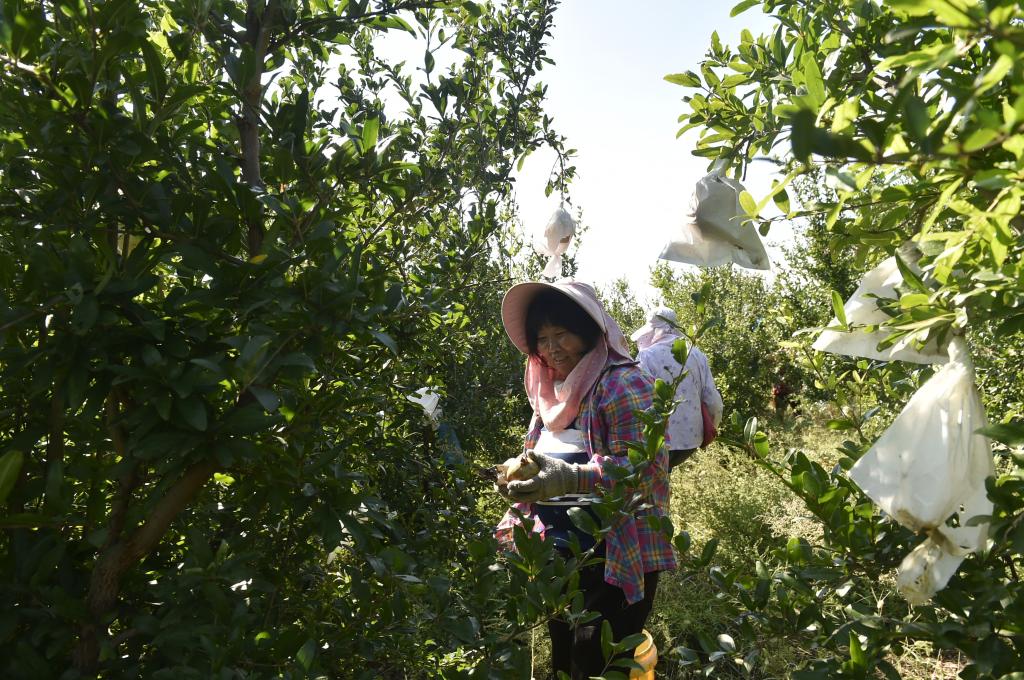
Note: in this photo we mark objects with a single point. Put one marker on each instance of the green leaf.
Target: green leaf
(208, 364)
(727, 643)
(857, 655)
(709, 550)
(812, 76)
(802, 134)
(662, 389)
(688, 79)
(386, 340)
(583, 520)
(911, 300)
(760, 444)
(916, 118)
(1015, 145)
(782, 201)
(151, 356)
(193, 411)
(742, 7)
(1011, 434)
(155, 71)
(682, 542)
(839, 308)
(686, 655)
(952, 13)
(750, 430)
(267, 399)
(681, 348)
(996, 73)
(631, 641)
(778, 193)
(306, 654)
(748, 204)
(797, 550)
(371, 130)
(910, 277)
(607, 650)
(845, 115)
(391, 21)
(298, 359)
(10, 467)
(980, 139)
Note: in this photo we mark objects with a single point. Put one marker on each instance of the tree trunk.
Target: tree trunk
(117, 558)
(259, 21)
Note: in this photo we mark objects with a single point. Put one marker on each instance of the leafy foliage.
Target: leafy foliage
(236, 237)
(912, 110)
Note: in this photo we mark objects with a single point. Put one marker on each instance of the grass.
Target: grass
(720, 494)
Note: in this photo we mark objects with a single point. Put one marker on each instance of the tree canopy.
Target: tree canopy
(236, 236)
(913, 112)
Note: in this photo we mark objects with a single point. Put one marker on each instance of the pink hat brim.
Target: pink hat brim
(518, 298)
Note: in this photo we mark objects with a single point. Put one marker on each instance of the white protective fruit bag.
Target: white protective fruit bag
(862, 310)
(554, 241)
(717, 230)
(429, 400)
(929, 465)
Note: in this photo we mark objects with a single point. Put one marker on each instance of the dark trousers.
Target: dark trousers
(578, 651)
(677, 456)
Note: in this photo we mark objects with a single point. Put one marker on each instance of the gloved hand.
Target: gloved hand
(521, 467)
(554, 478)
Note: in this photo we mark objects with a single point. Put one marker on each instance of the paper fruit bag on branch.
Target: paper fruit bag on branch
(716, 229)
(554, 241)
(929, 466)
(862, 310)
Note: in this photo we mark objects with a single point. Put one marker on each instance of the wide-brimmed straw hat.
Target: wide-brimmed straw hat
(518, 298)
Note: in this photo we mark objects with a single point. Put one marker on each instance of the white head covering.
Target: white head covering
(660, 327)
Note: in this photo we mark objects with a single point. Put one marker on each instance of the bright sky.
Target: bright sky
(607, 95)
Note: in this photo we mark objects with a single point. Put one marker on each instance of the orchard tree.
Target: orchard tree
(913, 111)
(622, 305)
(235, 236)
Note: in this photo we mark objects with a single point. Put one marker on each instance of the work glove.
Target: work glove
(554, 478)
(517, 467)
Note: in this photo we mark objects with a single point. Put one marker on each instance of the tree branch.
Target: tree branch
(119, 557)
(167, 508)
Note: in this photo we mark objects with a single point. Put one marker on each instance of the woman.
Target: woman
(685, 431)
(584, 389)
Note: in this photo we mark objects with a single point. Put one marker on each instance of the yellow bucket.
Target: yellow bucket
(646, 655)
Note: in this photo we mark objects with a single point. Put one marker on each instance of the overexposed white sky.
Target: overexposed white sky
(607, 95)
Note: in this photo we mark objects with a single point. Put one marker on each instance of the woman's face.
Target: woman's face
(560, 349)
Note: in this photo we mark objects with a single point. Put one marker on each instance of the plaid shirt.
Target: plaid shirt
(606, 421)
